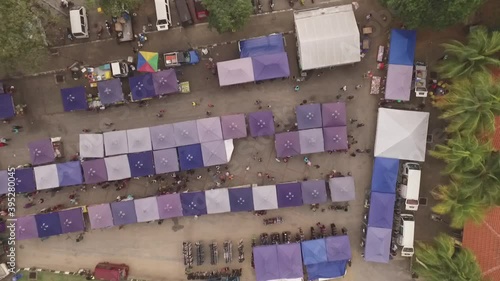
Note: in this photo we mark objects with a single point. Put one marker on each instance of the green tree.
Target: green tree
(443, 261)
(115, 7)
(479, 54)
(432, 13)
(228, 15)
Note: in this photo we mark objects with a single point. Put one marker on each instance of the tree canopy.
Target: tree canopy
(228, 15)
(115, 7)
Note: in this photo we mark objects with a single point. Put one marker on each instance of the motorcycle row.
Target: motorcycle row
(209, 275)
(187, 251)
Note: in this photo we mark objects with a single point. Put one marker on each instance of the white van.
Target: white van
(79, 22)
(163, 18)
(409, 188)
(406, 235)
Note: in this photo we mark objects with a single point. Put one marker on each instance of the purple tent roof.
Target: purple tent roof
(214, 153)
(236, 71)
(287, 144)
(311, 141)
(314, 192)
(186, 133)
(398, 84)
(72, 220)
(266, 263)
(26, 228)
(261, 123)
(74, 98)
(141, 164)
(338, 248)
(289, 194)
(70, 173)
(146, 209)
(209, 129)
(233, 126)
(270, 66)
(166, 161)
(41, 152)
(190, 157)
(342, 189)
(169, 206)
(334, 114)
(162, 136)
(241, 199)
(290, 261)
(48, 224)
(94, 171)
(110, 91)
(165, 82)
(100, 216)
(335, 138)
(378, 243)
(141, 87)
(4, 182)
(381, 210)
(193, 203)
(123, 212)
(309, 116)
(25, 180)
(6, 106)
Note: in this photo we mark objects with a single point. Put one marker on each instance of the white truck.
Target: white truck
(406, 237)
(409, 189)
(420, 80)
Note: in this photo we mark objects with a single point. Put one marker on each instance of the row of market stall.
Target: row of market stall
(215, 201)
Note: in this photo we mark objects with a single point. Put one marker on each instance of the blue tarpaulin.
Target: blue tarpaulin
(6, 106)
(48, 224)
(74, 98)
(328, 270)
(381, 210)
(264, 45)
(402, 47)
(190, 157)
(314, 251)
(385, 175)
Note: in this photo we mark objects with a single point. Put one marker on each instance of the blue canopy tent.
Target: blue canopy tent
(402, 47)
(193, 203)
(69, 173)
(328, 270)
(381, 210)
(314, 251)
(271, 66)
(6, 106)
(190, 157)
(264, 45)
(141, 164)
(142, 87)
(48, 224)
(74, 99)
(241, 199)
(385, 175)
(110, 91)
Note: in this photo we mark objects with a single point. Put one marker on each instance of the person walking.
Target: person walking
(4, 140)
(344, 88)
(360, 125)
(352, 121)
(353, 154)
(349, 98)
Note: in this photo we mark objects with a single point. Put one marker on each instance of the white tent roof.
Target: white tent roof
(229, 149)
(118, 167)
(46, 177)
(217, 201)
(139, 140)
(401, 134)
(327, 37)
(115, 143)
(91, 146)
(264, 197)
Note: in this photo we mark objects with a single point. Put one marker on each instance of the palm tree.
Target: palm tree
(475, 56)
(444, 261)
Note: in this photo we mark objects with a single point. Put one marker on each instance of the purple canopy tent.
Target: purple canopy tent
(236, 71)
(70, 173)
(100, 216)
(165, 82)
(309, 116)
(290, 261)
(399, 82)
(335, 138)
(214, 153)
(289, 194)
(241, 199)
(4, 182)
(146, 209)
(41, 152)
(287, 144)
(74, 99)
(72, 220)
(123, 212)
(7, 109)
(94, 171)
(169, 206)
(311, 141)
(338, 248)
(141, 87)
(26, 228)
(193, 203)
(314, 192)
(342, 189)
(381, 210)
(266, 263)
(233, 126)
(110, 91)
(270, 66)
(141, 164)
(25, 180)
(261, 123)
(190, 157)
(48, 224)
(378, 243)
(162, 136)
(166, 161)
(209, 129)
(186, 133)
(334, 114)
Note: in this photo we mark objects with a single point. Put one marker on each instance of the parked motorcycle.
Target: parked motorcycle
(275, 220)
(271, 5)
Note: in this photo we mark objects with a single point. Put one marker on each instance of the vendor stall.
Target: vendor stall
(375, 85)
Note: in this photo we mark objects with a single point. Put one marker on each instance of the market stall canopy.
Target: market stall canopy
(209, 129)
(186, 133)
(41, 152)
(399, 82)
(141, 164)
(326, 270)
(264, 197)
(69, 173)
(110, 91)
(169, 206)
(162, 136)
(287, 144)
(117, 167)
(166, 161)
(165, 82)
(4, 182)
(233, 126)
(115, 143)
(48, 224)
(338, 248)
(26, 228)
(290, 261)
(7, 109)
(73, 99)
(266, 67)
(266, 263)
(402, 47)
(123, 212)
(100, 216)
(72, 220)
(311, 141)
(327, 37)
(289, 194)
(190, 157)
(147, 62)
(314, 192)
(261, 123)
(91, 145)
(334, 114)
(381, 210)
(46, 177)
(342, 189)
(264, 45)
(146, 209)
(139, 140)
(385, 175)
(241, 199)
(378, 243)
(401, 134)
(214, 153)
(335, 138)
(309, 116)
(141, 87)
(236, 71)
(25, 180)
(193, 203)
(94, 171)
(217, 201)
(314, 251)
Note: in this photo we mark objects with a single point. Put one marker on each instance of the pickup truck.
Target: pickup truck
(123, 27)
(180, 58)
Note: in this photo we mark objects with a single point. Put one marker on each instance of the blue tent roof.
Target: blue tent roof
(110, 91)
(190, 157)
(241, 199)
(385, 175)
(381, 210)
(69, 173)
(328, 270)
(264, 45)
(48, 224)
(141, 164)
(402, 46)
(142, 87)
(314, 251)
(74, 99)
(193, 203)
(6, 106)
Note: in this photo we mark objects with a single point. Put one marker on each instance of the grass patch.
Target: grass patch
(49, 276)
